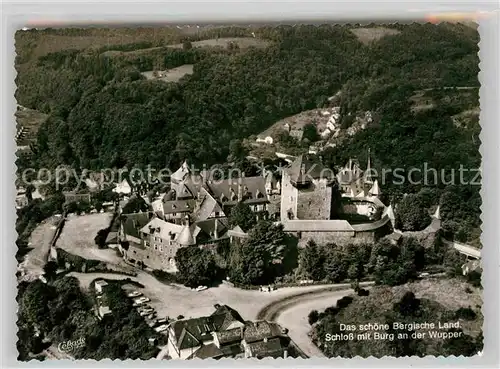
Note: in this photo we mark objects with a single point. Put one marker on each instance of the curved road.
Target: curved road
(291, 312)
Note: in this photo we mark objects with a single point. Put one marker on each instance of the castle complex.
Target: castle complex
(345, 208)
(311, 201)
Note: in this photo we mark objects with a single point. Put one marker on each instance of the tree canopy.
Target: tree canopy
(242, 216)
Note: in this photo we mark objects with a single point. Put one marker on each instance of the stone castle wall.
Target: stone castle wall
(338, 238)
(315, 204)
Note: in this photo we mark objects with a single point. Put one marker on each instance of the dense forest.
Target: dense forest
(107, 114)
(58, 311)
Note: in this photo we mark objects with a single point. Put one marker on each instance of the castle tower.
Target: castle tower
(307, 190)
(368, 176)
(375, 190)
(185, 237)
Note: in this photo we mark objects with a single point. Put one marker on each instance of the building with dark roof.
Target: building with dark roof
(130, 224)
(224, 193)
(173, 210)
(76, 197)
(226, 334)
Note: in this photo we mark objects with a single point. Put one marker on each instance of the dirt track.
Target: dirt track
(40, 239)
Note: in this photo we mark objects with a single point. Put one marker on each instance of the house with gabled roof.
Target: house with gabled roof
(173, 210)
(160, 241)
(250, 190)
(225, 334)
(207, 207)
(130, 224)
(124, 187)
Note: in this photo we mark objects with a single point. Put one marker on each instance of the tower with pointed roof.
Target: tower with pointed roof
(368, 173)
(185, 237)
(181, 173)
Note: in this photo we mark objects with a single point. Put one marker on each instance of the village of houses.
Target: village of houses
(310, 201)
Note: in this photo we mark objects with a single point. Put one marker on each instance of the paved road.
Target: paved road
(291, 312)
(173, 300)
(163, 353)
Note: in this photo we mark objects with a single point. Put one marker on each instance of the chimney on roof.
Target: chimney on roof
(240, 191)
(216, 232)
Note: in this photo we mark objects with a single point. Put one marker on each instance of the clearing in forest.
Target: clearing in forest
(170, 75)
(368, 35)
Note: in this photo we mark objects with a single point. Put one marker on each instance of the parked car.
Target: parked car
(142, 300)
(161, 321)
(201, 288)
(161, 328)
(146, 312)
(134, 294)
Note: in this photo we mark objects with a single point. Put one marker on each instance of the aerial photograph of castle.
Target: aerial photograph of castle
(248, 191)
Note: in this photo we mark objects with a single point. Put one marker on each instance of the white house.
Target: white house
(103, 311)
(123, 188)
(267, 140)
(325, 133)
(100, 286)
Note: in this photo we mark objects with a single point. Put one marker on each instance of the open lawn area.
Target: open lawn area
(242, 42)
(78, 235)
(298, 121)
(29, 120)
(170, 75)
(223, 42)
(368, 35)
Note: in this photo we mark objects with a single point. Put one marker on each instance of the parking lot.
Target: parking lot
(172, 300)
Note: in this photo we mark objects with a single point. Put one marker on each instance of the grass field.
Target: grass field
(78, 235)
(242, 42)
(31, 45)
(171, 75)
(31, 121)
(223, 42)
(298, 121)
(368, 35)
